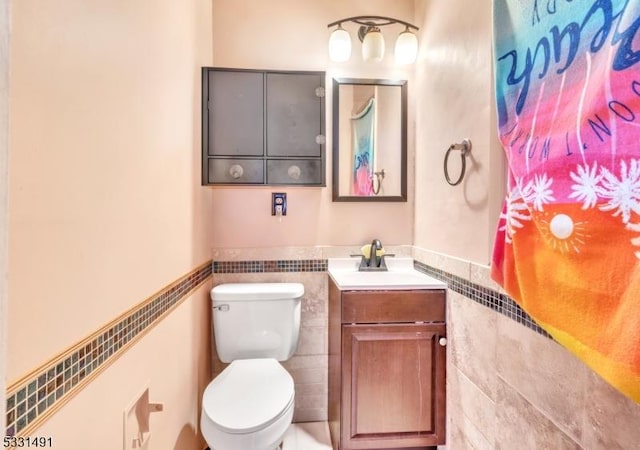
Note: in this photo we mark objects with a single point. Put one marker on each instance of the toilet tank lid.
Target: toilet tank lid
(256, 291)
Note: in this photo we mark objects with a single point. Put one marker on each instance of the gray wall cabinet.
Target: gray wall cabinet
(263, 127)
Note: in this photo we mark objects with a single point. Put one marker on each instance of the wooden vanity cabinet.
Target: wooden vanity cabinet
(387, 369)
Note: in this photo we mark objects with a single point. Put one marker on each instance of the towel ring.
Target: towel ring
(465, 148)
(379, 178)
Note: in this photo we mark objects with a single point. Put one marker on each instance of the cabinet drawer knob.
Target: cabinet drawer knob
(236, 171)
(294, 172)
(442, 341)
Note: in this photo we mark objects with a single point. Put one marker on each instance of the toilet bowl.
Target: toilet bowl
(249, 406)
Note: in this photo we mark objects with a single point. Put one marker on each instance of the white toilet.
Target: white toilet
(249, 405)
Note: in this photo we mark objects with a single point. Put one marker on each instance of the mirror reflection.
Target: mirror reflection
(369, 140)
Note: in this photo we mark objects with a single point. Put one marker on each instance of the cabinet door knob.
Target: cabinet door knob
(236, 171)
(320, 139)
(320, 92)
(442, 341)
(294, 172)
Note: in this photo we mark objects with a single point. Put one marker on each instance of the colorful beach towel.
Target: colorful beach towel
(567, 247)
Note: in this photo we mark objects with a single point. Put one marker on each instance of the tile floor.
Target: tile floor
(310, 436)
(307, 436)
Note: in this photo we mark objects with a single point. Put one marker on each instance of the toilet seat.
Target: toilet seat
(248, 395)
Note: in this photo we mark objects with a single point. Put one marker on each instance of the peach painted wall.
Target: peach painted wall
(4, 151)
(293, 35)
(105, 202)
(454, 83)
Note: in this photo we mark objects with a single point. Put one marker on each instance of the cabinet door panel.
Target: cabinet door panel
(236, 109)
(236, 171)
(294, 114)
(393, 386)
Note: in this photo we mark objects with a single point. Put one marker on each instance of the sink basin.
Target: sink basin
(400, 276)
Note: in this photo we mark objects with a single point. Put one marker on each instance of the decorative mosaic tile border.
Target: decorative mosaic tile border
(30, 400)
(490, 298)
(33, 398)
(284, 265)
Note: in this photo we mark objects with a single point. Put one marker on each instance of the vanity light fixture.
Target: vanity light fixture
(373, 47)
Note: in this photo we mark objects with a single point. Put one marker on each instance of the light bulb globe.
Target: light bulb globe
(373, 46)
(339, 45)
(406, 49)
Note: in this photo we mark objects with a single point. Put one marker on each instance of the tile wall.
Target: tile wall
(510, 386)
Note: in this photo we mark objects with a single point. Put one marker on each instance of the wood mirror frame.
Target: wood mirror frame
(395, 154)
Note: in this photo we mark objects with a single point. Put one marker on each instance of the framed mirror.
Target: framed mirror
(369, 140)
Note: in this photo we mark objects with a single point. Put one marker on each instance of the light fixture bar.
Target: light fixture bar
(378, 21)
(373, 46)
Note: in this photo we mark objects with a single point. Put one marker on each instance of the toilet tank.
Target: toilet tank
(256, 320)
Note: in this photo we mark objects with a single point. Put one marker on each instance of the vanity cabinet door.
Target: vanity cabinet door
(393, 386)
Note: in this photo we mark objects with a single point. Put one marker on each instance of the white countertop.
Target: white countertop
(400, 276)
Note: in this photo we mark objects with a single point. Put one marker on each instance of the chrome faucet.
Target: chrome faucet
(373, 262)
(374, 259)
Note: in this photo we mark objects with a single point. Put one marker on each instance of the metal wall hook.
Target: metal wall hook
(465, 149)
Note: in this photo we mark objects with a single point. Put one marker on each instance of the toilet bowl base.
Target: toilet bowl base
(271, 437)
(279, 447)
